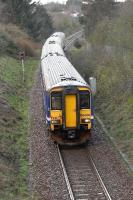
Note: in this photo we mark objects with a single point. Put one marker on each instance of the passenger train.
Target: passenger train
(68, 99)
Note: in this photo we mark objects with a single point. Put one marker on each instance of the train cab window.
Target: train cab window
(84, 100)
(56, 101)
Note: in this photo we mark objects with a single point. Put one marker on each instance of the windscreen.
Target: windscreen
(84, 100)
(56, 101)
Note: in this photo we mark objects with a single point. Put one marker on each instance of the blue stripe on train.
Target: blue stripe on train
(48, 108)
(46, 103)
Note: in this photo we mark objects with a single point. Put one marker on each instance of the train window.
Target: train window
(84, 100)
(56, 101)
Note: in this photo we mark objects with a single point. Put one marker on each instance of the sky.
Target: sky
(61, 1)
(48, 1)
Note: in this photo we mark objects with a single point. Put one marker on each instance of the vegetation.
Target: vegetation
(13, 40)
(95, 11)
(62, 16)
(108, 56)
(14, 105)
(29, 16)
(65, 23)
(55, 7)
(74, 5)
(14, 94)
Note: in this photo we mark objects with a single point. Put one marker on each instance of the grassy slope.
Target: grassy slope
(108, 57)
(114, 98)
(114, 102)
(14, 100)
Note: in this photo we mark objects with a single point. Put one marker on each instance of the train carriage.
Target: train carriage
(67, 97)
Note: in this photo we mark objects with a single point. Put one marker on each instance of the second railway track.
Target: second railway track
(81, 175)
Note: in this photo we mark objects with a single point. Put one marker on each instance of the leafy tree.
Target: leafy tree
(74, 5)
(18, 10)
(66, 23)
(41, 24)
(73, 2)
(3, 13)
(122, 30)
(55, 7)
(96, 11)
(30, 16)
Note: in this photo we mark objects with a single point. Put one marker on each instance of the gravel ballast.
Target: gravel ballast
(110, 165)
(46, 179)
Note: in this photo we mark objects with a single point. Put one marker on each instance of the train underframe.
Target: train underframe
(71, 136)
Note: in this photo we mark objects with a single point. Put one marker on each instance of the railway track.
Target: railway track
(82, 177)
(71, 39)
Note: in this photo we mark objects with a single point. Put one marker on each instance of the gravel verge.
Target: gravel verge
(46, 180)
(117, 179)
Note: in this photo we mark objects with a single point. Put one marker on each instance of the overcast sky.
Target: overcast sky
(48, 1)
(59, 1)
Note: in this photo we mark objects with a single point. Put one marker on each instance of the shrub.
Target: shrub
(27, 46)
(13, 40)
(3, 42)
(7, 44)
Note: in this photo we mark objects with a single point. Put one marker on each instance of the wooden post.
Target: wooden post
(22, 56)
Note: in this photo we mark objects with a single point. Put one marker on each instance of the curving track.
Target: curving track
(82, 177)
(71, 39)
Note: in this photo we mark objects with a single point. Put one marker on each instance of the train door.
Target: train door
(70, 111)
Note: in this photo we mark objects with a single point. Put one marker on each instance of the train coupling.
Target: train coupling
(71, 134)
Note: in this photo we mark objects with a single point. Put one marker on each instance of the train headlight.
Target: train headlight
(56, 121)
(85, 120)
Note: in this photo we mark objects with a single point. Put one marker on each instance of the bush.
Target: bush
(7, 44)
(27, 46)
(78, 44)
(13, 40)
(3, 42)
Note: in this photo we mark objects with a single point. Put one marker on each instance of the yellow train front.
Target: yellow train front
(67, 97)
(70, 114)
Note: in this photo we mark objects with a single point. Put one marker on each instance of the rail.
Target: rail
(90, 175)
(100, 179)
(71, 39)
(65, 175)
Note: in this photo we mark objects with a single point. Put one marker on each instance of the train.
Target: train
(67, 97)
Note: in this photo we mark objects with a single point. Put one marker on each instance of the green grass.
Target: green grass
(114, 97)
(14, 131)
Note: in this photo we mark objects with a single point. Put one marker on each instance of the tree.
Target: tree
(41, 24)
(74, 5)
(29, 16)
(96, 11)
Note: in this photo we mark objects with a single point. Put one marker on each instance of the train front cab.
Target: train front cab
(71, 114)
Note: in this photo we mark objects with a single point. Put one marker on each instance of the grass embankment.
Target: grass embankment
(108, 56)
(114, 98)
(14, 106)
(114, 102)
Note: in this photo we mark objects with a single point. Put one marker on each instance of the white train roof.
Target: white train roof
(56, 69)
(54, 42)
